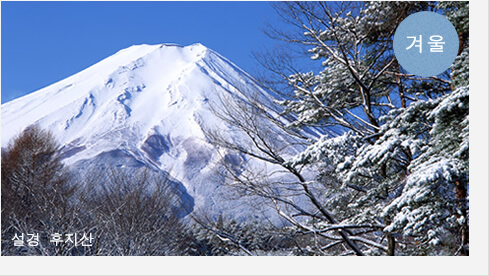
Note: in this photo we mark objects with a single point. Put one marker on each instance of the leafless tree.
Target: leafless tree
(136, 213)
(296, 196)
(37, 192)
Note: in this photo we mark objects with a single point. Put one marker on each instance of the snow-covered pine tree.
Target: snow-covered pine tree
(413, 176)
(360, 79)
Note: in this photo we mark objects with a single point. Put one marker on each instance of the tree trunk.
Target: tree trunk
(391, 245)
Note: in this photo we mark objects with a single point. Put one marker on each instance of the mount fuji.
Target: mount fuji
(145, 106)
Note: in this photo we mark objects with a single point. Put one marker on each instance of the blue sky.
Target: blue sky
(44, 42)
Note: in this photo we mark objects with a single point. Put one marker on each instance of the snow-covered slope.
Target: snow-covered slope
(144, 106)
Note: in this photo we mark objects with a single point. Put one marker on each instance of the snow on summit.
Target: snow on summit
(143, 106)
(121, 89)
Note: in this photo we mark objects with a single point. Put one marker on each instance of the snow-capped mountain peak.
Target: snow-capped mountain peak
(143, 106)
